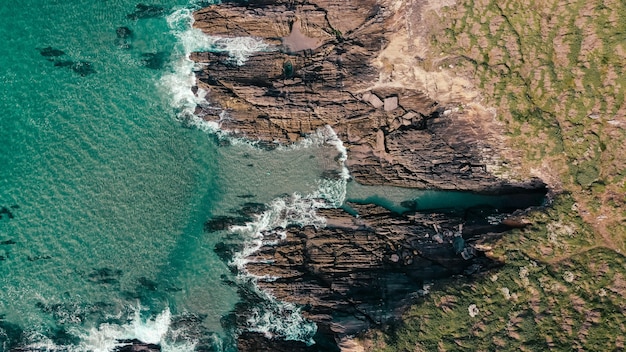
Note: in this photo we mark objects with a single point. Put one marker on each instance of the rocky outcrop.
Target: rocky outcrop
(357, 272)
(394, 135)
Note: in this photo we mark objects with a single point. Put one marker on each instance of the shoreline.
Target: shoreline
(394, 134)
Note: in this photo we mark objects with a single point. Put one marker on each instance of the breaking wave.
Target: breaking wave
(108, 336)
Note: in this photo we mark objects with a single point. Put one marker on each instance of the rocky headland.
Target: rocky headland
(328, 65)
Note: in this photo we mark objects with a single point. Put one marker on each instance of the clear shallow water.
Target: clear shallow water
(108, 191)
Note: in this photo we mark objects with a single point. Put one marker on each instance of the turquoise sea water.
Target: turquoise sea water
(107, 190)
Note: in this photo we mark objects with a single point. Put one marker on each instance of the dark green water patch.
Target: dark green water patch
(401, 200)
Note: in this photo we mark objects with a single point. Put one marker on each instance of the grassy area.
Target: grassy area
(555, 72)
(544, 298)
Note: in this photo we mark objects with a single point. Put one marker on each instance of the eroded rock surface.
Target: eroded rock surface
(359, 272)
(395, 135)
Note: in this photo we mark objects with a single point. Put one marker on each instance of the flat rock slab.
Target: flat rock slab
(375, 101)
(391, 103)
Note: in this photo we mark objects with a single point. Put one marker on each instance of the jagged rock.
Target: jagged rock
(281, 95)
(357, 272)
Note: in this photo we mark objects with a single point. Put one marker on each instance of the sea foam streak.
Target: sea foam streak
(274, 318)
(280, 318)
(180, 81)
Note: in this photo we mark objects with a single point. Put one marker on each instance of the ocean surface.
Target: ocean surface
(105, 191)
(107, 180)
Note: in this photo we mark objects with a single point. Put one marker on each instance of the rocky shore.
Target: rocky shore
(319, 70)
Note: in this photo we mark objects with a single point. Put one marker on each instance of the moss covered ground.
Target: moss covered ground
(555, 71)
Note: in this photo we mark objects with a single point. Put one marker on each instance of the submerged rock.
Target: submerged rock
(155, 61)
(146, 11)
(123, 32)
(83, 68)
(51, 52)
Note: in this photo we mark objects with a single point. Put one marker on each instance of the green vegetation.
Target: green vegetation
(555, 72)
(542, 299)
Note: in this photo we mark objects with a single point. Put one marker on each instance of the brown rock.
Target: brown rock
(391, 103)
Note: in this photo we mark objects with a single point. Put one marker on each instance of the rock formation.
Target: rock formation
(394, 135)
(356, 272)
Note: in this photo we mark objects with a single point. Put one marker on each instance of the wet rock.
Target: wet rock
(248, 209)
(135, 345)
(143, 11)
(221, 223)
(7, 242)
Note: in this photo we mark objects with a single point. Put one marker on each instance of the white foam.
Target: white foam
(106, 337)
(178, 83)
(280, 319)
(276, 318)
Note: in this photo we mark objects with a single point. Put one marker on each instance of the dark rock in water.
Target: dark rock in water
(148, 284)
(105, 276)
(7, 242)
(220, 223)
(226, 251)
(146, 11)
(64, 63)
(331, 175)
(63, 338)
(124, 35)
(189, 327)
(2, 258)
(250, 208)
(246, 196)
(38, 257)
(123, 32)
(51, 52)
(155, 61)
(135, 345)
(5, 210)
(15, 206)
(254, 341)
(409, 204)
(83, 68)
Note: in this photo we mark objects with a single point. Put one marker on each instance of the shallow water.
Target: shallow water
(107, 189)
